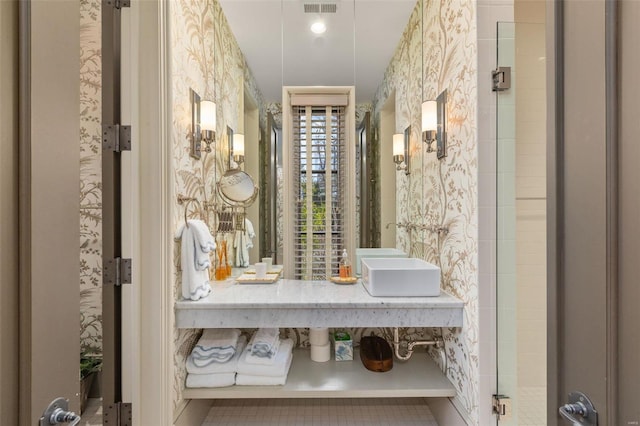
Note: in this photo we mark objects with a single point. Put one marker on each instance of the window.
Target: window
(319, 165)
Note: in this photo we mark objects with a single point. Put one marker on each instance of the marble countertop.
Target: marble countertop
(296, 303)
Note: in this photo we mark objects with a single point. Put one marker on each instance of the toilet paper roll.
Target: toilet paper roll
(321, 353)
(318, 336)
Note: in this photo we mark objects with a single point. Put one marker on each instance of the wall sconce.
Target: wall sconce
(238, 148)
(208, 123)
(203, 124)
(401, 150)
(429, 123)
(434, 121)
(398, 151)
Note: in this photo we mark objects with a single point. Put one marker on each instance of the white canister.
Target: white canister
(321, 353)
(269, 262)
(261, 270)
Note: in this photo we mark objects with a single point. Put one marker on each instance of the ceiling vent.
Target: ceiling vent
(320, 8)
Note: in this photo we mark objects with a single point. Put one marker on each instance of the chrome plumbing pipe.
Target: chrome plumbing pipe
(438, 342)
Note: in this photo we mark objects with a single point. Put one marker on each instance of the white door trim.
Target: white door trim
(152, 399)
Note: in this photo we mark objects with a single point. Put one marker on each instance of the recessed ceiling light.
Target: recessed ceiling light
(318, 27)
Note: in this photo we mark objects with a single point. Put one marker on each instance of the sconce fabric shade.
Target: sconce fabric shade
(207, 115)
(398, 144)
(429, 116)
(238, 144)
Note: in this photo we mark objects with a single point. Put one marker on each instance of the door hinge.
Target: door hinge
(118, 414)
(118, 4)
(501, 406)
(116, 271)
(116, 138)
(501, 79)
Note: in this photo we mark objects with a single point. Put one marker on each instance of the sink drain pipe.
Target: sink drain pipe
(438, 342)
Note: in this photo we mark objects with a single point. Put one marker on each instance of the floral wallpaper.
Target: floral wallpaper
(90, 178)
(205, 58)
(442, 48)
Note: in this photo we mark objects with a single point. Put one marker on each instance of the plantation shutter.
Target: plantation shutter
(320, 177)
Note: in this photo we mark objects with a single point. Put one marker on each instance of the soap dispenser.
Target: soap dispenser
(345, 265)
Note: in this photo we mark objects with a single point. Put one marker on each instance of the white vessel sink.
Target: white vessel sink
(400, 277)
(362, 253)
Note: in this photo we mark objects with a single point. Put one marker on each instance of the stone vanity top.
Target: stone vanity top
(296, 303)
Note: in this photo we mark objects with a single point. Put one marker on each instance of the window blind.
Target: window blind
(319, 170)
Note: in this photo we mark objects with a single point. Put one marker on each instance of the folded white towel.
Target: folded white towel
(215, 345)
(251, 380)
(246, 380)
(218, 380)
(264, 360)
(195, 277)
(214, 367)
(263, 341)
(279, 367)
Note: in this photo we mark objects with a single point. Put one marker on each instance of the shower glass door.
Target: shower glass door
(521, 223)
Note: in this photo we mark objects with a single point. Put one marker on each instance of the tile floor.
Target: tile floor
(304, 412)
(321, 412)
(532, 406)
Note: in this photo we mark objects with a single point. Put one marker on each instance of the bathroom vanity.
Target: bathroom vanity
(294, 303)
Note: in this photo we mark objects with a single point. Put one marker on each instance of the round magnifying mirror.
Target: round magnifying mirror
(237, 188)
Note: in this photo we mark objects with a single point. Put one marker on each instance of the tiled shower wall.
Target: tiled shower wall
(530, 193)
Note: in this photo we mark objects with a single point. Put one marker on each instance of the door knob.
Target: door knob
(57, 413)
(580, 410)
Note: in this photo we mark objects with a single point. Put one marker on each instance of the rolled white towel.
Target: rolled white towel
(218, 380)
(263, 341)
(215, 345)
(213, 367)
(264, 360)
(279, 367)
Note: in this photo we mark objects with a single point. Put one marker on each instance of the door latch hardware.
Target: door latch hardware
(57, 413)
(501, 406)
(580, 410)
(501, 77)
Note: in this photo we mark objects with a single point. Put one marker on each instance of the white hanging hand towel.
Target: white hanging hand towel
(241, 258)
(195, 278)
(249, 234)
(204, 243)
